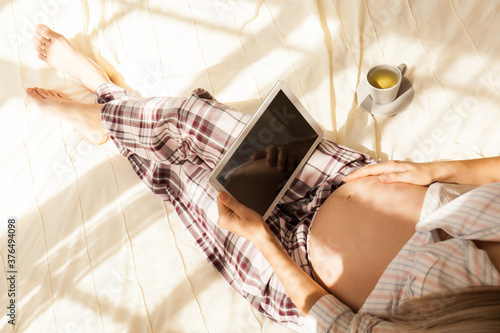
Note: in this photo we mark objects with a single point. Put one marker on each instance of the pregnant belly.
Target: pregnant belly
(358, 231)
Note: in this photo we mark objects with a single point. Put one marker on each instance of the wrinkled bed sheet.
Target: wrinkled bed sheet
(95, 250)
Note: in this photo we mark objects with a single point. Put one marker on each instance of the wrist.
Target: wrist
(443, 171)
(437, 171)
(263, 238)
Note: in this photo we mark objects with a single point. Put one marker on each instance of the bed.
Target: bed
(95, 251)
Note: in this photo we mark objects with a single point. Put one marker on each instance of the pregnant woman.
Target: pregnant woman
(344, 250)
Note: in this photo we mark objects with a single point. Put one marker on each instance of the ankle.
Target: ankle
(92, 115)
(93, 80)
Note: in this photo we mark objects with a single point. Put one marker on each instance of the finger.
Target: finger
(282, 158)
(221, 208)
(225, 214)
(395, 177)
(259, 155)
(408, 176)
(371, 170)
(230, 206)
(360, 173)
(271, 156)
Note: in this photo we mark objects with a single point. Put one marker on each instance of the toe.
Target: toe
(39, 49)
(43, 31)
(39, 92)
(32, 94)
(46, 92)
(37, 38)
(40, 45)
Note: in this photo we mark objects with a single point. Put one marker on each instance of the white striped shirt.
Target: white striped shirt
(426, 265)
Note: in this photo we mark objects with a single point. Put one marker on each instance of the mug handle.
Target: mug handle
(402, 68)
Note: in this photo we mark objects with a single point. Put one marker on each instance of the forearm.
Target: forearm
(241, 220)
(301, 288)
(468, 172)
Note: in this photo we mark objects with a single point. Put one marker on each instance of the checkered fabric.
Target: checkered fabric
(174, 143)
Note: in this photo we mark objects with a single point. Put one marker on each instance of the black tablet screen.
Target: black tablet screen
(268, 155)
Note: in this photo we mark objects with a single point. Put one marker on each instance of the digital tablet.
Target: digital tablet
(266, 157)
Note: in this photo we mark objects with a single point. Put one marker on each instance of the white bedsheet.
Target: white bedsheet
(95, 250)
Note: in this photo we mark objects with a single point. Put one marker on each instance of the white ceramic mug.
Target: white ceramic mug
(383, 82)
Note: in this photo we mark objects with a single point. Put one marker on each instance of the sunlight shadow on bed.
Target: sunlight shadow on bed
(103, 235)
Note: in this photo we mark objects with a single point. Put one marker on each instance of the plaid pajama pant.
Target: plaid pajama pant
(174, 143)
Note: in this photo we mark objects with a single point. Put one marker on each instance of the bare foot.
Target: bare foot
(56, 51)
(85, 118)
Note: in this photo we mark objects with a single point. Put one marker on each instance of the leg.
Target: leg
(56, 51)
(172, 149)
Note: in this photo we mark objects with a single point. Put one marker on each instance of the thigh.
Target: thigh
(195, 130)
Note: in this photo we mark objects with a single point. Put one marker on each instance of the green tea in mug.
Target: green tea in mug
(383, 79)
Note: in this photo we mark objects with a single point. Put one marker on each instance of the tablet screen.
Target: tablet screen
(268, 155)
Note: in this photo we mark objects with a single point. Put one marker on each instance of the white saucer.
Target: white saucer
(405, 96)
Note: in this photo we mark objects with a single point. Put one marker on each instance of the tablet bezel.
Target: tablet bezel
(279, 86)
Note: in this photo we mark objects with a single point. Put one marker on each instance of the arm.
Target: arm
(468, 172)
(235, 217)
(303, 290)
